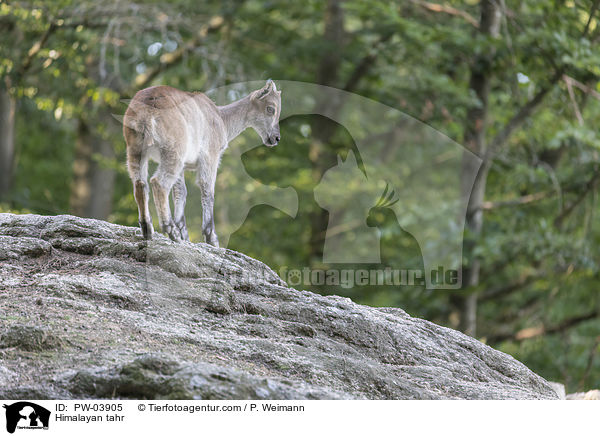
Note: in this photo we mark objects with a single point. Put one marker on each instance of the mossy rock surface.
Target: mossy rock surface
(92, 310)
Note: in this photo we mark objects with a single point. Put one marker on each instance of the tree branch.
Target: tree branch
(590, 185)
(589, 21)
(526, 110)
(582, 86)
(366, 63)
(525, 199)
(519, 118)
(34, 50)
(435, 7)
(170, 59)
(534, 332)
(573, 100)
(503, 291)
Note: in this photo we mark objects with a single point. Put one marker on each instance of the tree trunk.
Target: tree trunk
(320, 153)
(475, 132)
(93, 182)
(7, 139)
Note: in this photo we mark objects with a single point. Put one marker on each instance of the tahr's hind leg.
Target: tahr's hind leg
(179, 196)
(162, 182)
(141, 193)
(137, 164)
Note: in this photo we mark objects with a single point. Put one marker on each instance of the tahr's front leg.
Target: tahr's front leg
(179, 194)
(206, 182)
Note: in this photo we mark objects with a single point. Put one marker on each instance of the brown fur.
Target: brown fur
(187, 131)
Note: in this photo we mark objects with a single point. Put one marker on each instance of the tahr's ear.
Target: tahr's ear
(265, 90)
(261, 93)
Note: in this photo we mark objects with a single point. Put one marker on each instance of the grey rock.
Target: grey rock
(113, 315)
(29, 338)
(594, 394)
(560, 390)
(159, 377)
(6, 375)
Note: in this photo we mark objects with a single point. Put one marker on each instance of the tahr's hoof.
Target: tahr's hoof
(180, 225)
(174, 236)
(172, 231)
(147, 230)
(185, 236)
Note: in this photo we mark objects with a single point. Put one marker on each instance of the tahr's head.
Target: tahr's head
(264, 116)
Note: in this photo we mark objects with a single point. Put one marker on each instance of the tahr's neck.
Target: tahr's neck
(235, 116)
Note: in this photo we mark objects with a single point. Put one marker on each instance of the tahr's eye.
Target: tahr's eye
(270, 110)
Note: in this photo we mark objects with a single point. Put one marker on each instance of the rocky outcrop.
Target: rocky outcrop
(559, 388)
(90, 310)
(594, 394)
